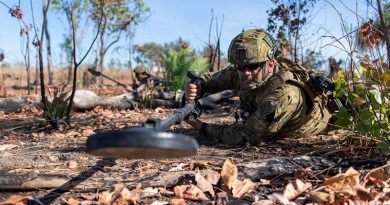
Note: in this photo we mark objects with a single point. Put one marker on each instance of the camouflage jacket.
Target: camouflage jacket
(279, 108)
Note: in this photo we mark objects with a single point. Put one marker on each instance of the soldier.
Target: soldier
(144, 79)
(276, 100)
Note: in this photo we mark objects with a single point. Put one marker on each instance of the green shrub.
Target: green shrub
(56, 106)
(367, 99)
(177, 63)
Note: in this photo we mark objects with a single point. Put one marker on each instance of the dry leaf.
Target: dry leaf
(15, 200)
(72, 201)
(72, 134)
(87, 132)
(5, 147)
(179, 167)
(106, 197)
(72, 164)
(203, 184)
(366, 29)
(264, 182)
(363, 193)
(178, 202)
(147, 172)
(190, 192)
(344, 183)
(58, 134)
(133, 196)
(240, 188)
(89, 196)
(229, 174)
(149, 192)
(322, 197)
(295, 188)
(197, 165)
(213, 177)
(374, 39)
(159, 203)
(379, 177)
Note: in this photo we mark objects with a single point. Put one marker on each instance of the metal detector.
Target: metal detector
(149, 141)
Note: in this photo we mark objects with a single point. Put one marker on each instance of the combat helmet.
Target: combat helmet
(140, 68)
(253, 46)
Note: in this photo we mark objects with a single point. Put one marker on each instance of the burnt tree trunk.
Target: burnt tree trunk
(27, 59)
(101, 49)
(385, 30)
(48, 49)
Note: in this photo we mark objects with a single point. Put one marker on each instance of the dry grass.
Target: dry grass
(17, 76)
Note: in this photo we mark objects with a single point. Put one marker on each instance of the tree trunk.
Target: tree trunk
(385, 30)
(48, 48)
(101, 50)
(28, 63)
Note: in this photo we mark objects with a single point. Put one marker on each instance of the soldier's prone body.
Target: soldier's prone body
(276, 100)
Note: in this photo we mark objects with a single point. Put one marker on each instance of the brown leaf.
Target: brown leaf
(89, 196)
(203, 184)
(229, 174)
(87, 132)
(344, 183)
(379, 177)
(197, 165)
(322, 197)
(72, 164)
(240, 188)
(366, 29)
(363, 193)
(190, 192)
(149, 192)
(374, 39)
(179, 167)
(295, 189)
(15, 200)
(98, 109)
(133, 196)
(147, 172)
(72, 201)
(178, 202)
(213, 177)
(106, 197)
(5, 147)
(159, 203)
(264, 182)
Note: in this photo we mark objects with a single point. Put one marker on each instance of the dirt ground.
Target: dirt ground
(66, 174)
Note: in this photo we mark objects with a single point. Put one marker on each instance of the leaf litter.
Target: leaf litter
(124, 182)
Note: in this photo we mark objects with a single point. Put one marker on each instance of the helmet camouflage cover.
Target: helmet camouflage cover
(251, 47)
(139, 69)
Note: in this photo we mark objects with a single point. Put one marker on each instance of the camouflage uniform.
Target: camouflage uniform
(280, 108)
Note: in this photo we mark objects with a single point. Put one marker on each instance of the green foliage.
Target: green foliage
(152, 53)
(367, 99)
(149, 53)
(56, 106)
(177, 63)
